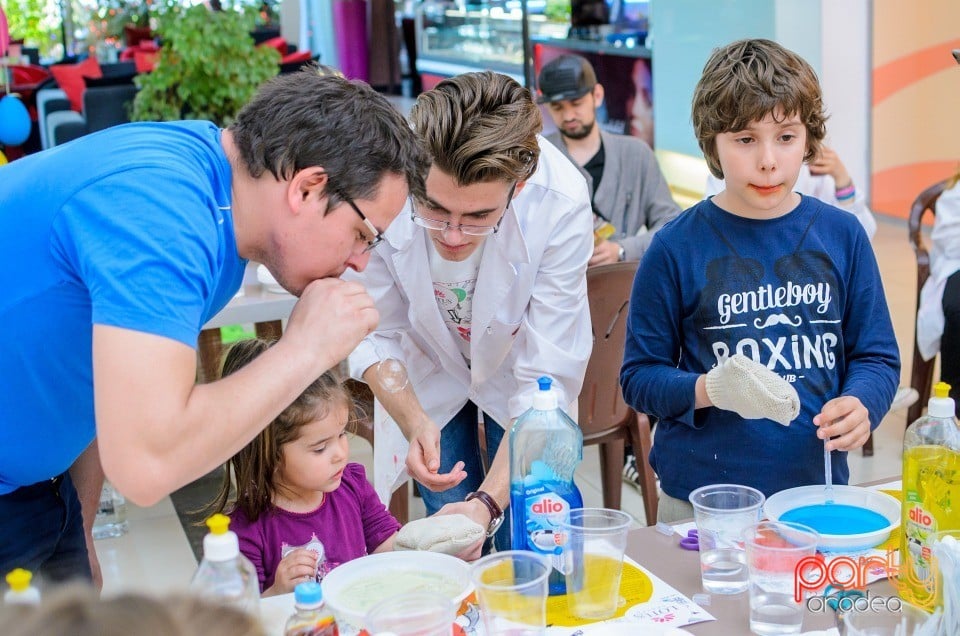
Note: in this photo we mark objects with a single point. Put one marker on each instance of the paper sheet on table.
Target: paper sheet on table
(887, 552)
(651, 603)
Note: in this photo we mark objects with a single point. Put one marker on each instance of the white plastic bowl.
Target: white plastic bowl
(874, 500)
(390, 574)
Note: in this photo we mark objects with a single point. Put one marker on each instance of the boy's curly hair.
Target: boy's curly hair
(747, 80)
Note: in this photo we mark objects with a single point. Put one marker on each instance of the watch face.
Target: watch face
(494, 525)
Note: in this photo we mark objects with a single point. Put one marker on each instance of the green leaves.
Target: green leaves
(207, 68)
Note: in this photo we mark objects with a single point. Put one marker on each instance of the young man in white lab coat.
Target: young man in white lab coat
(481, 289)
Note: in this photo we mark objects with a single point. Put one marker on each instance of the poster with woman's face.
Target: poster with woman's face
(628, 90)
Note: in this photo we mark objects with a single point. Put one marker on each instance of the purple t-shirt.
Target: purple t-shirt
(351, 522)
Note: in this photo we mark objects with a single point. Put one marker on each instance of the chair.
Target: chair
(921, 375)
(604, 417)
(363, 396)
(210, 347)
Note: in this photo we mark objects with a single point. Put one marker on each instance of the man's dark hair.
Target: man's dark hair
(315, 117)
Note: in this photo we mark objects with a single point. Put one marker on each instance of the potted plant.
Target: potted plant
(208, 66)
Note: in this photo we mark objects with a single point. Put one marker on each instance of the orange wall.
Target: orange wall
(916, 92)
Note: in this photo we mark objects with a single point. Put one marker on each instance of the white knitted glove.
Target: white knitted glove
(449, 534)
(752, 391)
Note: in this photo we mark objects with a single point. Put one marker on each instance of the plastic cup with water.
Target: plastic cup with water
(512, 591)
(775, 551)
(722, 512)
(594, 543)
(415, 614)
(887, 618)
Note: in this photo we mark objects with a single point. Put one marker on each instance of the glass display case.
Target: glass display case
(455, 38)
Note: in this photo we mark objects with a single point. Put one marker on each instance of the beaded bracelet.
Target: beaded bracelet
(846, 193)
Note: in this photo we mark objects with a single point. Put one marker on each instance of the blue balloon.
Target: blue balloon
(14, 121)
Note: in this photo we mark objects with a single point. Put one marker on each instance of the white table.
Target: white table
(258, 305)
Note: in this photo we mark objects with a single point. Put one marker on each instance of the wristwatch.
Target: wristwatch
(496, 512)
(621, 254)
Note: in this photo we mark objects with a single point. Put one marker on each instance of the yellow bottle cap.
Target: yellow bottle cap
(19, 579)
(941, 390)
(218, 523)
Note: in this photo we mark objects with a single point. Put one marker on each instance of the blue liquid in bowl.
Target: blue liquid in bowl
(837, 519)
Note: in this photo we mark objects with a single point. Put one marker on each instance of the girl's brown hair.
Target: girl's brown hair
(254, 468)
(747, 80)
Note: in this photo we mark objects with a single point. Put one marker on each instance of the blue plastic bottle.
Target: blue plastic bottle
(545, 448)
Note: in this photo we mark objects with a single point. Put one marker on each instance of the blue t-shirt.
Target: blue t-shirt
(129, 227)
(801, 294)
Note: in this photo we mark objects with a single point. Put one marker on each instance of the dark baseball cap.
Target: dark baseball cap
(567, 77)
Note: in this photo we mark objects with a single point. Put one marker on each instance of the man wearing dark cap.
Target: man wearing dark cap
(628, 189)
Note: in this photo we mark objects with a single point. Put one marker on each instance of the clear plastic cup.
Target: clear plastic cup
(414, 614)
(512, 591)
(594, 542)
(774, 552)
(722, 513)
(883, 617)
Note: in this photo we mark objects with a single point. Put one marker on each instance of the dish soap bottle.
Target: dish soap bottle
(225, 575)
(545, 448)
(311, 618)
(931, 494)
(21, 592)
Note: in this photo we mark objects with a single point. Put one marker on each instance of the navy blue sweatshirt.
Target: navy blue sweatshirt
(801, 294)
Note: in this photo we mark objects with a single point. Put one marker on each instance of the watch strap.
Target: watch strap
(496, 512)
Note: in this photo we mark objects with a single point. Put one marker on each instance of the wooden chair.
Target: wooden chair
(210, 347)
(363, 396)
(604, 417)
(921, 375)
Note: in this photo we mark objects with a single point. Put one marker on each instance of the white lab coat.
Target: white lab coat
(530, 312)
(944, 261)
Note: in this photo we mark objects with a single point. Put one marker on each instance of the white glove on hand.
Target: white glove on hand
(449, 534)
(752, 391)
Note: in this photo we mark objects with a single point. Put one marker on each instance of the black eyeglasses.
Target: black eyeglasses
(469, 230)
(378, 236)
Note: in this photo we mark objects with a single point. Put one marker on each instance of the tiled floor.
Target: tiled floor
(156, 556)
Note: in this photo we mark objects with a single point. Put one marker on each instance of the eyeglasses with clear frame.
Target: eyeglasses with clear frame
(467, 229)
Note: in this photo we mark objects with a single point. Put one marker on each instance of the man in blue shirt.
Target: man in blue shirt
(118, 247)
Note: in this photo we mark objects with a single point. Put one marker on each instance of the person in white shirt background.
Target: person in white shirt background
(938, 318)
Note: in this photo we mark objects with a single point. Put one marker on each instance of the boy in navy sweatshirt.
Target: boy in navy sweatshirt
(758, 301)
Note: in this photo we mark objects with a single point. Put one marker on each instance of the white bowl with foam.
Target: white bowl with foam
(353, 588)
(881, 503)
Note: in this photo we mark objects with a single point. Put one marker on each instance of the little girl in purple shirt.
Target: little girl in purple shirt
(294, 485)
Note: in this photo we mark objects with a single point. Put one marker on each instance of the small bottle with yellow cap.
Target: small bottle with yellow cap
(225, 575)
(21, 592)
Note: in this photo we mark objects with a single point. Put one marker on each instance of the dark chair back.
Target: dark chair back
(921, 375)
(106, 106)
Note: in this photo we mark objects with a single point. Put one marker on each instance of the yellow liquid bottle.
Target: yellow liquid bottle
(931, 496)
